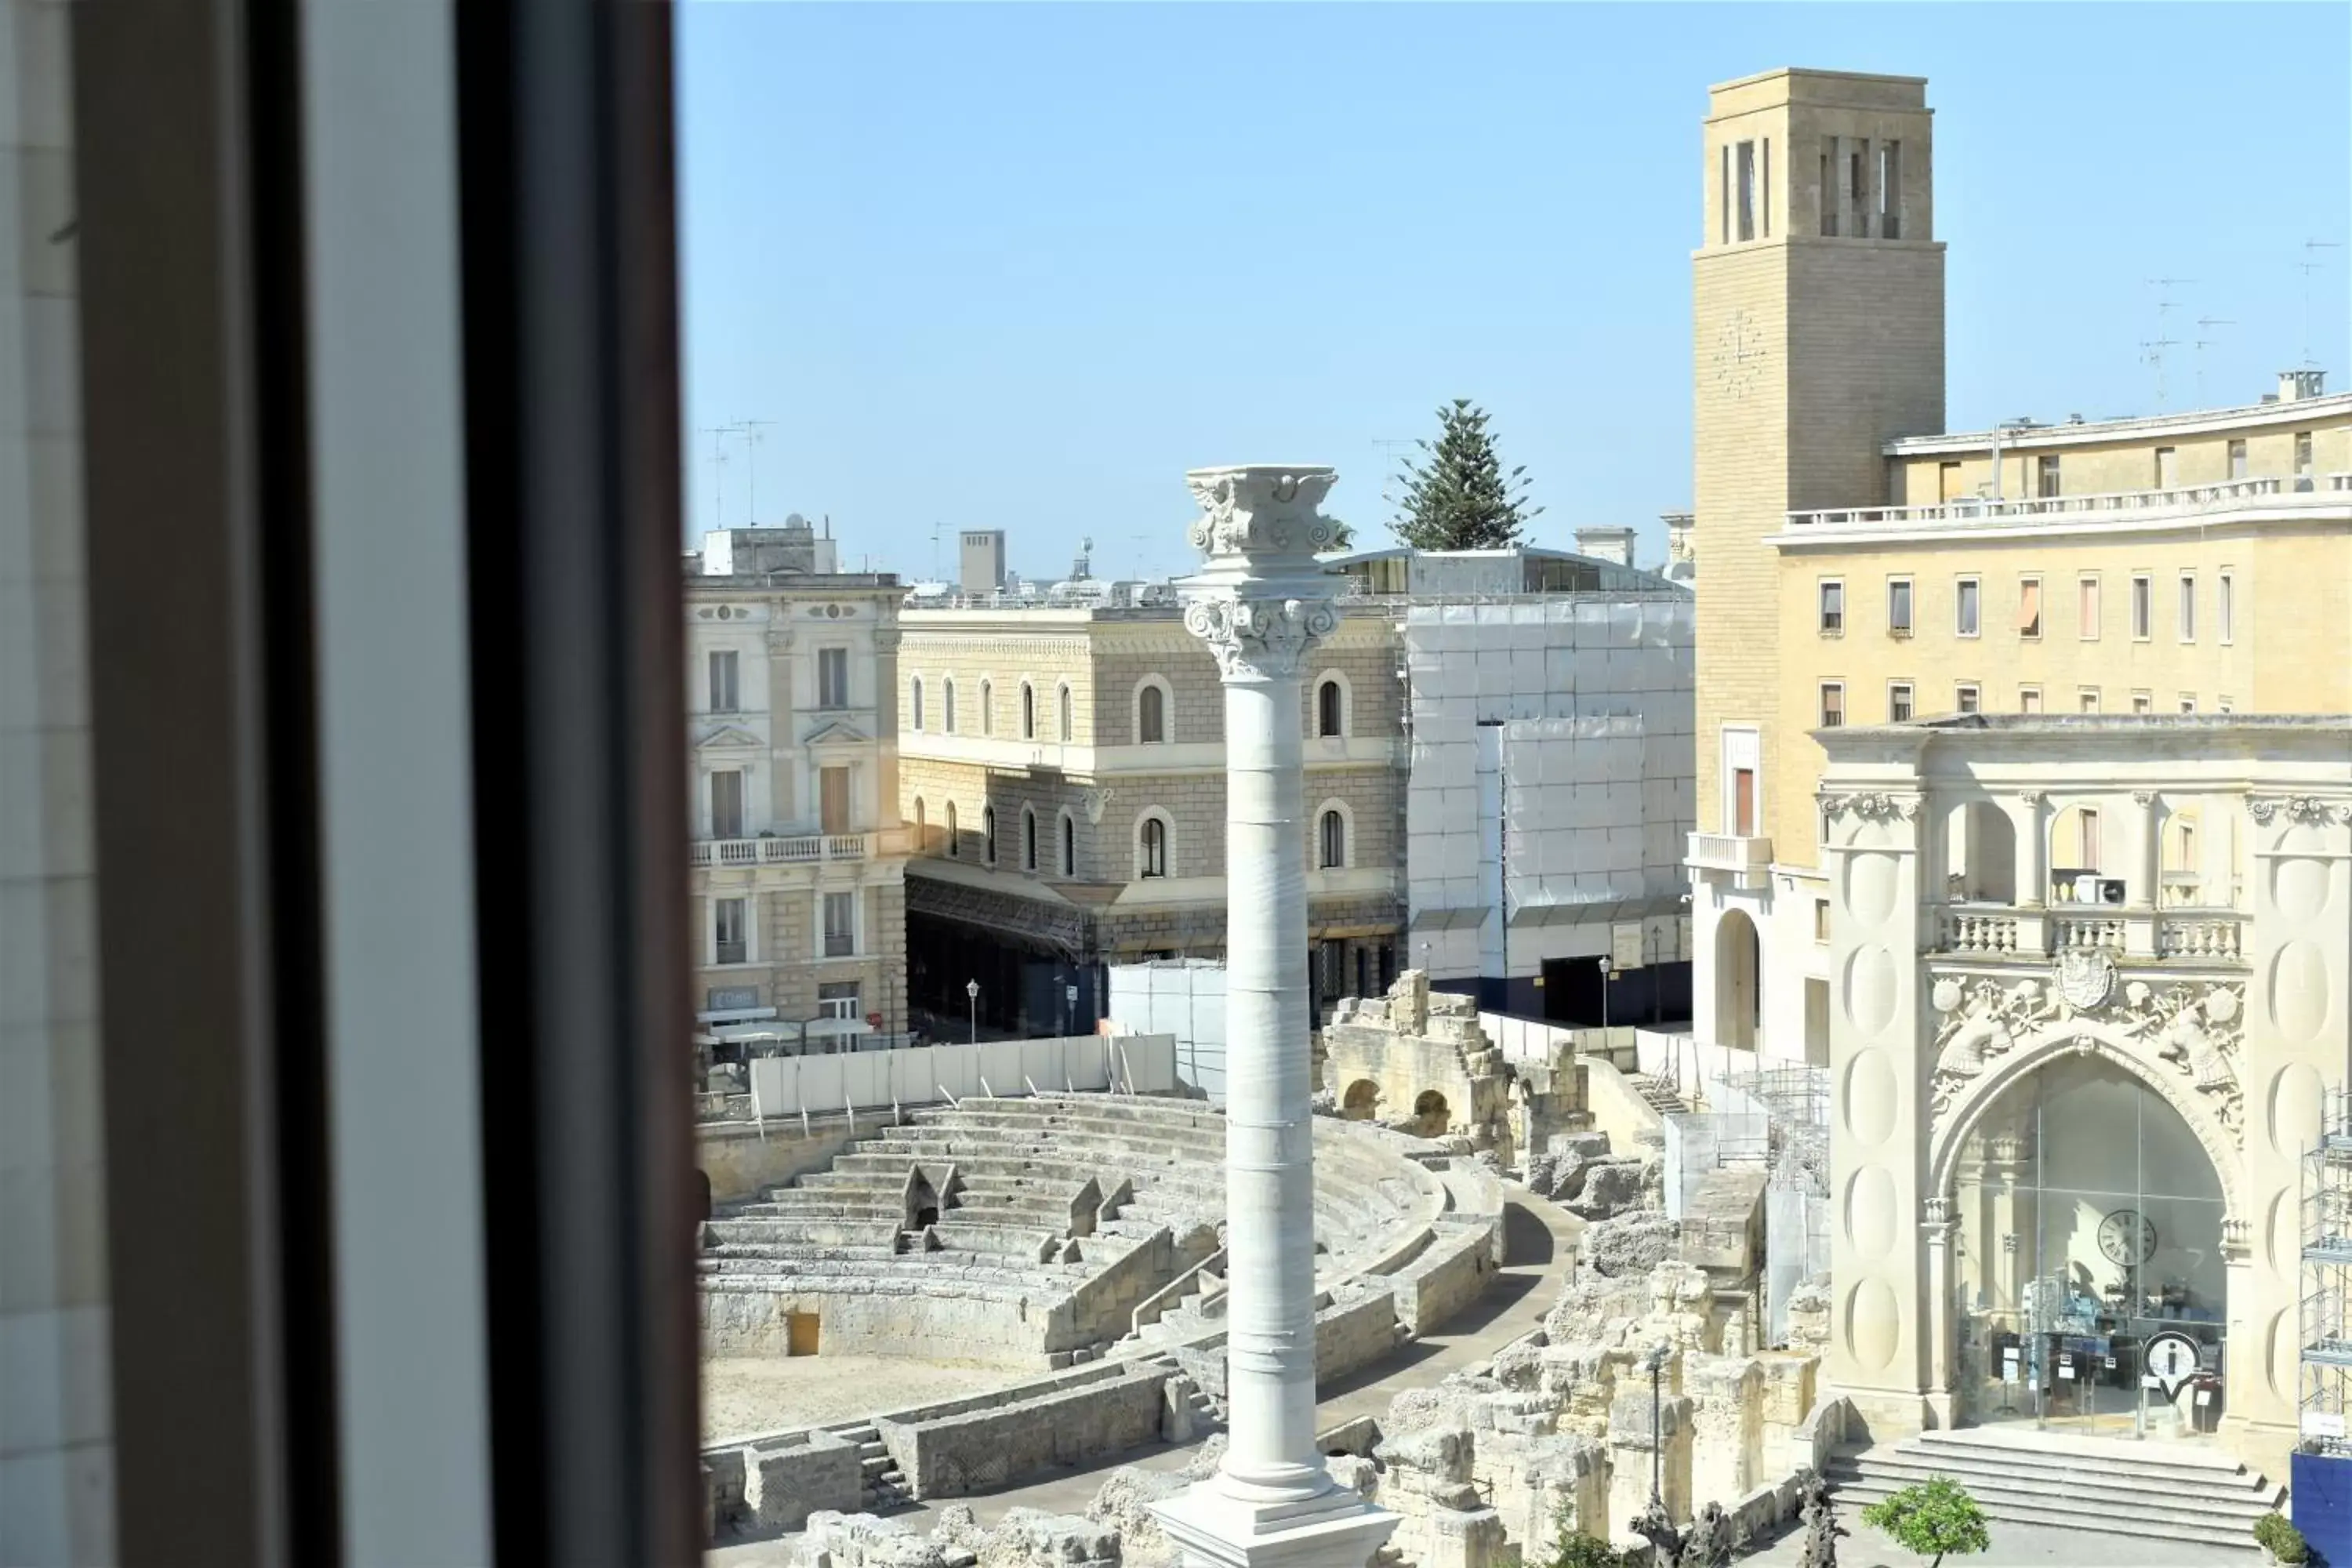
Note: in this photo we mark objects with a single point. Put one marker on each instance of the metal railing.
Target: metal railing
(1976, 511)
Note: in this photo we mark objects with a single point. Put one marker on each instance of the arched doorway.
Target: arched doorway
(1738, 997)
(1363, 1097)
(1431, 1114)
(2087, 1241)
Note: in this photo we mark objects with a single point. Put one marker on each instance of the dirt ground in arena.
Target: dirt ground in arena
(744, 1396)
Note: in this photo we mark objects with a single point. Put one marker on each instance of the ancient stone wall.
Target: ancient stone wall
(989, 1448)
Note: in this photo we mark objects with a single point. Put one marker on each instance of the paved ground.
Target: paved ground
(1538, 1238)
(747, 1396)
(2013, 1546)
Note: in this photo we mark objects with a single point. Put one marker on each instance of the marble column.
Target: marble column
(1259, 603)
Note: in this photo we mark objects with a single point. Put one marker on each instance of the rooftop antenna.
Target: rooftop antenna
(2156, 345)
(2204, 322)
(2307, 266)
(935, 553)
(750, 430)
(718, 434)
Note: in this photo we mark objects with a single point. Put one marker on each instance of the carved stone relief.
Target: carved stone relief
(2310, 810)
(1873, 806)
(2195, 1027)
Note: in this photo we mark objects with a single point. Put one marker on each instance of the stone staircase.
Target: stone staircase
(2152, 1489)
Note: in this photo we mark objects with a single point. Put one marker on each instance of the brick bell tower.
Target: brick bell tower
(1817, 334)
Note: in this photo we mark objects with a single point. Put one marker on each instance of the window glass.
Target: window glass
(1832, 608)
(1898, 607)
(1965, 617)
(2029, 607)
(1832, 704)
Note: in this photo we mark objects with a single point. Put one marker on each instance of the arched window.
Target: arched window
(1150, 715)
(988, 708)
(954, 847)
(1154, 844)
(1062, 703)
(1330, 710)
(915, 701)
(947, 707)
(1333, 841)
(1028, 839)
(1028, 711)
(1069, 845)
(988, 834)
(920, 843)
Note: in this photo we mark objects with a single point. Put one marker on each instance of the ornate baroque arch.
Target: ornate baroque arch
(2117, 1044)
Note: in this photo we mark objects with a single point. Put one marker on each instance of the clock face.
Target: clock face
(1739, 354)
(2127, 1236)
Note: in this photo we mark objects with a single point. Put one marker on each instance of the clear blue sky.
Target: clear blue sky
(1019, 266)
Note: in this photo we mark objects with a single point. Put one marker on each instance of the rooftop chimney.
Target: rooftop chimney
(1606, 544)
(2297, 385)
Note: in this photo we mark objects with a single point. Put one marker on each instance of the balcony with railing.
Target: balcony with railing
(2318, 492)
(1747, 858)
(2186, 936)
(800, 849)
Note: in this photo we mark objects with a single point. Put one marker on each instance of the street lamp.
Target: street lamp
(1605, 967)
(971, 990)
(1657, 1363)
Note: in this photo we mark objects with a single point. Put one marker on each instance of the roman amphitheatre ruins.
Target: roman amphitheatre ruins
(992, 1328)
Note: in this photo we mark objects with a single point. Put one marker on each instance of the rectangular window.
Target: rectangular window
(2029, 607)
(2187, 606)
(1820, 920)
(1764, 191)
(2225, 703)
(1890, 190)
(1745, 163)
(840, 925)
(1898, 701)
(2189, 702)
(1743, 802)
(1857, 198)
(1832, 704)
(833, 678)
(2029, 700)
(1947, 482)
(2045, 475)
(1898, 607)
(2143, 605)
(2238, 458)
(837, 999)
(2143, 702)
(1963, 697)
(2086, 608)
(1828, 189)
(2168, 467)
(726, 804)
(2088, 701)
(2089, 828)
(729, 928)
(2225, 606)
(832, 800)
(1832, 608)
(722, 683)
(915, 703)
(1965, 616)
(2302, 460)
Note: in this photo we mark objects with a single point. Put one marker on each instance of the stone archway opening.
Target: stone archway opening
(2087, 1258)
(1361, 1101)
(1739, 991)
(1430, 1114)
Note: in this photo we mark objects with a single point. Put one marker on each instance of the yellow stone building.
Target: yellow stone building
(1858, 563)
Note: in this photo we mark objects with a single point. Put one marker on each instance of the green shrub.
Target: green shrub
(1934, 1519)
(1578, 1550)
(2283, 1540)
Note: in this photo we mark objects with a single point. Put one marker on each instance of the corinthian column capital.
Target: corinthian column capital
(1261, 599)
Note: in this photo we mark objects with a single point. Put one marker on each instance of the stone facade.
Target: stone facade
(793, 758)
(1866, 563)
(2222, 1023)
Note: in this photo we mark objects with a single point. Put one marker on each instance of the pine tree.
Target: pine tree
(1458, 497)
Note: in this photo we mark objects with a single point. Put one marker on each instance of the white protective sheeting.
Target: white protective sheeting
(1184, 997)
(920, 1074)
